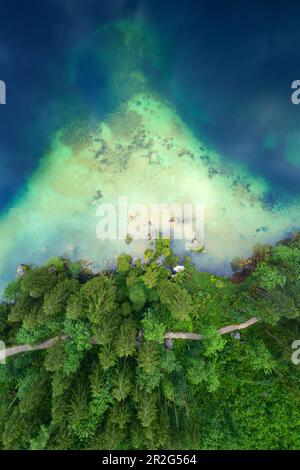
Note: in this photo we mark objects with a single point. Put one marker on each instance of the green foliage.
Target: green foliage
(123, 263)
(41, 440)
(31, 336)
(17, 431)
(147, 409)
(149, 254)
(176, 299)
(75, 268)
(148, 359)
(137, 296)
(39, 281)
(109, 380)
(152, 328)
(269, 277)
(79, 332)
(55, 357)
(99, 298)
(58, 264)
(162, 247)
(201, 372)
(122, 384)
(125, 309)
(73, 358)
(55, 302)
(126, 339)
(12, 290)
(259, 356)
(4, 313)
(213, 341)
(108, 355)
(151, 276)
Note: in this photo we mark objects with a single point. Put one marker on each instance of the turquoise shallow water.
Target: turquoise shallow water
(219, 126)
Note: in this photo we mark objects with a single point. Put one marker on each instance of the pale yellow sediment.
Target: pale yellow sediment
(144, 152)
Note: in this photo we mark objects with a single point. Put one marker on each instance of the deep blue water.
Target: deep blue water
(227, 66)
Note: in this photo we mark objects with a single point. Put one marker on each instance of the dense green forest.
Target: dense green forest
(110, 379)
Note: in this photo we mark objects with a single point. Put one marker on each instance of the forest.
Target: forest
(114, 377)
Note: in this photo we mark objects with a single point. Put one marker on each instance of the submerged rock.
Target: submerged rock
(21, 270)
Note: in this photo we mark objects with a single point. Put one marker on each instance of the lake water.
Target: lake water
(204, 87)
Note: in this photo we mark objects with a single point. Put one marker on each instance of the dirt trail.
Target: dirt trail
(168, 336)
